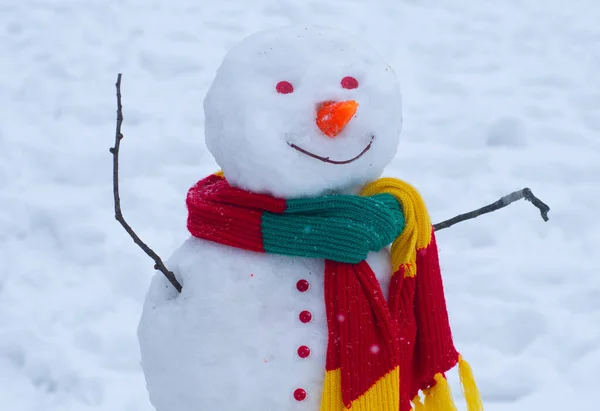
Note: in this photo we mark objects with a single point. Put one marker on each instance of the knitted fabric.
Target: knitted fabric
(380, 354)
(331, 227)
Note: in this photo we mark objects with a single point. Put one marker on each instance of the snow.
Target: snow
(523, 295)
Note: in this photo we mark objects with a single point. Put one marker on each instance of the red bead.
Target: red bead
(305, 316)
(300, 394)
(284, 87)
(302, 285)
(303, 351)
(349, 82)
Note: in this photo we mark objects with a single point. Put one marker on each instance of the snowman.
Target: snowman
(293, 299)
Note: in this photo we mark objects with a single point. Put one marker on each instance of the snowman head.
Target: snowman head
(303, 111)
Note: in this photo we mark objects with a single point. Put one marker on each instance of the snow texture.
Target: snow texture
(496, 96)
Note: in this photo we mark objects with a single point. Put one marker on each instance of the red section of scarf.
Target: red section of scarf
(411, 329)
(434, 349)
(363, 337)
(418, 338)
(228, 215)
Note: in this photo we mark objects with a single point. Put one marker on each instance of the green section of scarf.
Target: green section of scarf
(341, 228)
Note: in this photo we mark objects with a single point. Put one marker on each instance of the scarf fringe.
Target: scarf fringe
(439, 397)
(468, 385)
(417, 404)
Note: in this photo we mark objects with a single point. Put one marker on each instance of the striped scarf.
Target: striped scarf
(380, 355)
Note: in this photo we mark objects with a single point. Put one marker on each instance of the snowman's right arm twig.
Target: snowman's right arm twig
(158, 263)
(503, 202)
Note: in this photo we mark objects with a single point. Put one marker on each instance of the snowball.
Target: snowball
(230, 340)
(250, 126)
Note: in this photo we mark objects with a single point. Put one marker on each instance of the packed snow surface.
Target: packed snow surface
(496, 96)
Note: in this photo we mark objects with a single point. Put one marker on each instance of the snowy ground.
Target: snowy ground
(498, 96)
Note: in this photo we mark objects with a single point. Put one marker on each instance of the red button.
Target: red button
(303, 351)
(302, 285)
(300, 394)
(305, 316)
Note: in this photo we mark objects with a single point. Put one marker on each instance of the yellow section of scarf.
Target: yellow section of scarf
(384, 395)
(417, 230)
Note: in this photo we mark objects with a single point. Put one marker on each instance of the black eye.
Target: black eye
(349, 83)
(284, 87)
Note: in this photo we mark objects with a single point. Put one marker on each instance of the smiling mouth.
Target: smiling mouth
(328, 159)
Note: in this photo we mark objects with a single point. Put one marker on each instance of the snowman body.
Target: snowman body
(249, 331)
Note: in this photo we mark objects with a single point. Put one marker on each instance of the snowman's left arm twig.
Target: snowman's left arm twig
(503, 202)
(158, 263)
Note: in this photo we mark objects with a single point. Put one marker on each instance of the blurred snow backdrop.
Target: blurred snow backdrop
(497, 96)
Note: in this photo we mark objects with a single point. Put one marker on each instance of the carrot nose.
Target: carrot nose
(333, 116)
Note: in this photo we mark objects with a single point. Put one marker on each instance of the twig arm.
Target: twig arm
(158, 263)
(503, 202)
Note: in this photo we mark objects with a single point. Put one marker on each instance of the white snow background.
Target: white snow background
(497, 96)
